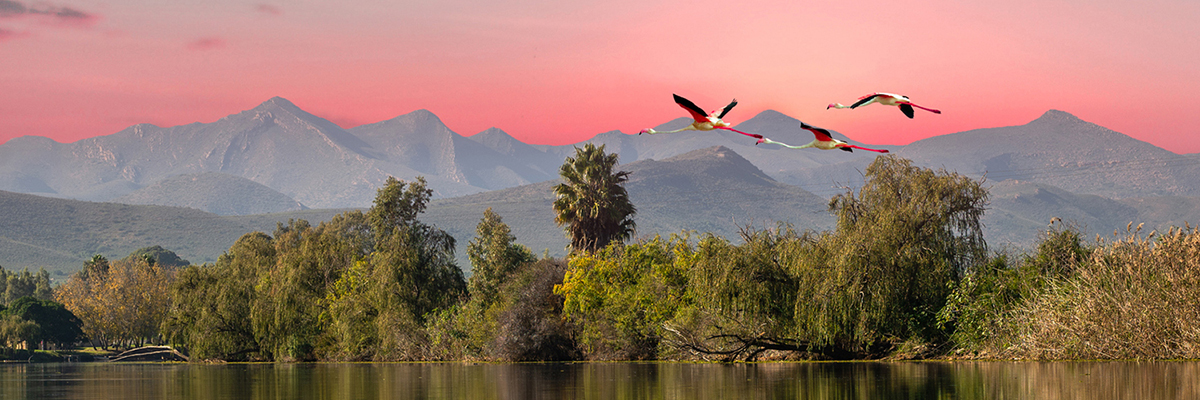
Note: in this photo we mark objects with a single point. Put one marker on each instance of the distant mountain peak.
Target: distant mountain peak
(411, 120)
(1057, 116)
(493, 131)
(772, 115)
(277, 102)
(708, 153)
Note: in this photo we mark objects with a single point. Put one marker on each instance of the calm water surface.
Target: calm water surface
(856, 380)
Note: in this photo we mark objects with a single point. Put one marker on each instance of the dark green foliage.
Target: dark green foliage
(592, 202)
(160, 256)
(471, 328)
(96, 266)
(55, 324)
(1060, 249)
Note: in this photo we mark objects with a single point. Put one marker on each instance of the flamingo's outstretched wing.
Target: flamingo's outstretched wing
(727, 108)
(822, 134)
(907, 110)
(862, 101)
(697, 112)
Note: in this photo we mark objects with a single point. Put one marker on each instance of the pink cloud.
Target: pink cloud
(208, 43)
(269, 9)
(6, 35)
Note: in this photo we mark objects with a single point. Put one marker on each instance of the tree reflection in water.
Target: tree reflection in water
(840, 380)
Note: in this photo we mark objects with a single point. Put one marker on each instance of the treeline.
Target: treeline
(905, 273)
(29, 318)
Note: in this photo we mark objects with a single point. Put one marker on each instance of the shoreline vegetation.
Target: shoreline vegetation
(905, 275)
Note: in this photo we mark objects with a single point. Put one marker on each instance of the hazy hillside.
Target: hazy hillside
(218, 193)
(60, 234)
(1020, 209)
(1061, 150)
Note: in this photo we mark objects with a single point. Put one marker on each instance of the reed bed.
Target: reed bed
(1136, 297)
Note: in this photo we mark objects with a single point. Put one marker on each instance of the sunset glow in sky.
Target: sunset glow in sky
(558, 72)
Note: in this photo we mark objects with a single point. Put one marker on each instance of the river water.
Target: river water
(843, 380)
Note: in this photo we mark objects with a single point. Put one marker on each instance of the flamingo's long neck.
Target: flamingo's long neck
(810, 144)
(686, 128)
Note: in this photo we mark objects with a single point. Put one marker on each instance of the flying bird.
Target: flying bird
(886, 99)
(823, 141)
(703, 122)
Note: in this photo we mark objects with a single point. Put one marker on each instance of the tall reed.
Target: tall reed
(1136, 297)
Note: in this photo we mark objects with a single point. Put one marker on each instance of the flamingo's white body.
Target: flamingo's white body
(823, 141)
(887, 99)
(701, 121)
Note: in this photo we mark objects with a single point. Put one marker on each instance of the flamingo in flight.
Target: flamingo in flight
(823, 141)
(702, 121)
(886, 99)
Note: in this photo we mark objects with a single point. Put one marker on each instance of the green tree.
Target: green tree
(378, 306)
(288, 307)
(16, 285)
(621, 296)
(95, 266)
(494, 255)
(211, 304)
(900, 246)
(592, 202)
(55, 324)
(160, 256)
(15, 330)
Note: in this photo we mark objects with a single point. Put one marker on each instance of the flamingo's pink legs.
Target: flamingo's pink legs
(744, 133)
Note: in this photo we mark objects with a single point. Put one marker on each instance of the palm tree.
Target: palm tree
(592, 202)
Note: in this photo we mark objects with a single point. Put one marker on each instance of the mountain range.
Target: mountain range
(277, 158)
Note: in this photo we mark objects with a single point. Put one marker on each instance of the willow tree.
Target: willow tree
(592, 202)
(900, 245)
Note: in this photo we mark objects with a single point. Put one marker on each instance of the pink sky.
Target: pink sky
(552, 72)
